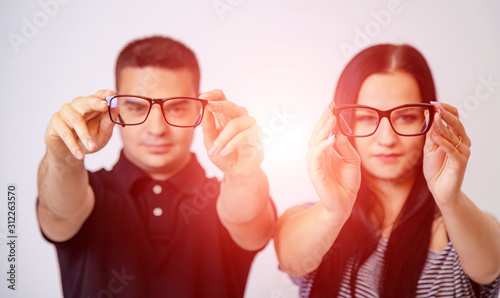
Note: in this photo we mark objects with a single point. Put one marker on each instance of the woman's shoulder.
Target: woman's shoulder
(439, 236)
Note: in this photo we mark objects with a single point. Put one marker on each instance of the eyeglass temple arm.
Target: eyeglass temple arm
(426, 124)
(345, 126)
(108, 99)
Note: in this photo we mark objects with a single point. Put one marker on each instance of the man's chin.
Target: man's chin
(164, 165)
(158, 162)
(158, 149)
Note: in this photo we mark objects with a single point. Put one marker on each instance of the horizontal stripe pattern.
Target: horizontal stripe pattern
(442, 276)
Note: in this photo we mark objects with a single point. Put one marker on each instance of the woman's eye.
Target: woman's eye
(366, 118)
(407, 118)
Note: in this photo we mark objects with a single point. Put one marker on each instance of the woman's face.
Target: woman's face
(386, 155)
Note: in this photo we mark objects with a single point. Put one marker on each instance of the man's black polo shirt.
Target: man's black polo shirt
(149, 238)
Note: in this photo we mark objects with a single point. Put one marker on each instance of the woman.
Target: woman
(392, 220)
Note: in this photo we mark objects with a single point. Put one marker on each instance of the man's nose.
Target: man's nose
(156, 122)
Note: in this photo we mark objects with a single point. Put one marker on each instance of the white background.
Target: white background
(279, 59)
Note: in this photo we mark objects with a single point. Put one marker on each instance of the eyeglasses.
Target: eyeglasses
(406, 120)
(177, 111)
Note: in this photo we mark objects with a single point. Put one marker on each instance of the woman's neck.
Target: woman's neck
(392, 195)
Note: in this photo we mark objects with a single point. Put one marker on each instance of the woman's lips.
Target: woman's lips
(387, 157)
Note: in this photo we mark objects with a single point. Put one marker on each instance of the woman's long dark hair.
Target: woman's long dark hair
(410, 237)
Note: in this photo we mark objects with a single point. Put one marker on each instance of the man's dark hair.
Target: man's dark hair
(158, 51)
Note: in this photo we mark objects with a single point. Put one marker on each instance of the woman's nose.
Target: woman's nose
(385, 134)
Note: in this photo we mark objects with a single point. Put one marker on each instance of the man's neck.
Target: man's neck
(163, 175)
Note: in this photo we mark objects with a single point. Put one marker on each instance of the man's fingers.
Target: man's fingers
(103, 93)
(232, 129)
(250, 138)
(70, 124)
(94, 103)
(75, 121)
(62, 131)
(226, 109)
(214, 95)
(449, 108)
(78, 124)
(217, 103)
(209, 129)
(106, 124)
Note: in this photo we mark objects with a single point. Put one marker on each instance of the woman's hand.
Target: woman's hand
(446, 152)
(335, 173)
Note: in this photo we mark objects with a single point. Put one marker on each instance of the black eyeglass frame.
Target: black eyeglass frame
(386, 114)
(160, 102)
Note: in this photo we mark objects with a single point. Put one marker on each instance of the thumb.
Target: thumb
(106, 123)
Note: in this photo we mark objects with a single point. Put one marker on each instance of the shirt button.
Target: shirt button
(157, 211)
(157, 189)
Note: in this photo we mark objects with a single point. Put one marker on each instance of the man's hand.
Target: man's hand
(234, 144)
(80, 127)
(65, 196)
(232, 137)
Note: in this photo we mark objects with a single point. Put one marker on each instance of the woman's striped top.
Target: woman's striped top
(442, 276)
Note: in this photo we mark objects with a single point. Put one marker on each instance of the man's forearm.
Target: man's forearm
(246, 210)
(62, 184)
(242, 199)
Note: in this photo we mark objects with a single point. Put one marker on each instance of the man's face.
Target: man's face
(159, 149)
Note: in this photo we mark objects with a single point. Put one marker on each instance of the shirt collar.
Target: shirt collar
(188, 178)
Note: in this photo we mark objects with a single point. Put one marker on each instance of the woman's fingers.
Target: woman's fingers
(453, 140)
(322, 119)
(454, 129)
(453, 150)
(321, 155)
(347, 151)
(324, 128)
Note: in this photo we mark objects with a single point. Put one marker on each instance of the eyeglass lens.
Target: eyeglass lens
(358, 121)
(134, 110)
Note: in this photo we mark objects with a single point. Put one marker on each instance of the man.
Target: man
(154, 226)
